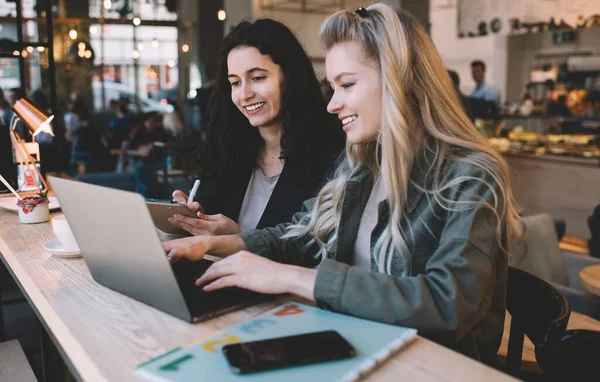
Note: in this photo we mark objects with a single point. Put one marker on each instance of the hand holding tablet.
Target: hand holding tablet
(161, 212)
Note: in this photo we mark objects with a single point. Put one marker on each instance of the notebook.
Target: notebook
(374, 343)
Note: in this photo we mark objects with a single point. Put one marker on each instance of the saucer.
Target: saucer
(55, 248)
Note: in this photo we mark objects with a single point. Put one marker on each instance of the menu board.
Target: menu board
(485, 17)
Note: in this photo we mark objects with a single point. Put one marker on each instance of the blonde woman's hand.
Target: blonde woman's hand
(206, 224)
(256, 273)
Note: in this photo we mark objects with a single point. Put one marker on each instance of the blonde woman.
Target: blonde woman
(414, 229)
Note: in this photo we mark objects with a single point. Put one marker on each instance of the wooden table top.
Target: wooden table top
(590, 278)
(574, 244)
(103, 335)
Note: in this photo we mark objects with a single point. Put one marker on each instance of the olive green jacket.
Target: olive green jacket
(455, 290)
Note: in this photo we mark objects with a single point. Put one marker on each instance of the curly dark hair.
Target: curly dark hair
(230, 143)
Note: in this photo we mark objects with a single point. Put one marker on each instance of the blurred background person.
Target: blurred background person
(145, 150)
(173, 123)
(7, 167)
(558, 108)
(463, 98)
(121, 127)
(148, 132)
(12, 96)
(40, 99)
(77, 116)
(4, 109)
(527, 105)
(484, 89)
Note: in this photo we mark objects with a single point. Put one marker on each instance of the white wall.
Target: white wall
(237, 10)
(458, 53)
(304, 25)
(306, 28)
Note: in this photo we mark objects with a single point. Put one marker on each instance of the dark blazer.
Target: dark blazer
(293, 187)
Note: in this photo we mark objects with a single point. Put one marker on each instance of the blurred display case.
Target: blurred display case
(559, 137)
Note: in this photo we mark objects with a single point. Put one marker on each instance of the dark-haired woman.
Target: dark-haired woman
(269, 142)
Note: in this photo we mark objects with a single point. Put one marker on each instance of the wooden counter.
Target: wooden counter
(103, 335)
(562, 187)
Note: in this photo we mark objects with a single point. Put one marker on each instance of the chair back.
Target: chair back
(538, 310)
(540, 253)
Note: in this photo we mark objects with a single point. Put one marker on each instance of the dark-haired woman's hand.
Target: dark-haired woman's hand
(189, 248)
(181, 198)
(206, 224)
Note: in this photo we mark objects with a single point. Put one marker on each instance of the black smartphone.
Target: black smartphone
(275, 353)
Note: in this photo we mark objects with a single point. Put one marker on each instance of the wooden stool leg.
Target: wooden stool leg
(2, 329)
(45, 356)
(53, 366)
(515, 348)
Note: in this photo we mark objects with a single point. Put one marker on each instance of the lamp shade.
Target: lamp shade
(36, 120)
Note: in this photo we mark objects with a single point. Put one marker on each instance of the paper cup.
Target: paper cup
(33, 210)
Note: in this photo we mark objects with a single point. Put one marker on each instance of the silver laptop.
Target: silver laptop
(121, 248)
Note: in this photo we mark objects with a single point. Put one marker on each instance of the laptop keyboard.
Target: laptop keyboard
(200, 302)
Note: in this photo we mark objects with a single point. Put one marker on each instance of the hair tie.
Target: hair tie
(362, 12)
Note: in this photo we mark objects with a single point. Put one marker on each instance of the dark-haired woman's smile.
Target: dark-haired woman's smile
(254, 108)
(255, 86)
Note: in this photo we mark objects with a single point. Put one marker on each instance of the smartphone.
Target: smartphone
(161, 212)
(303, 349)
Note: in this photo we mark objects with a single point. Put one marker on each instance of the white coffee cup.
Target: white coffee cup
(63, 233)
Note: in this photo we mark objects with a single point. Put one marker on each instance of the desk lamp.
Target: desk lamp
(36, 122)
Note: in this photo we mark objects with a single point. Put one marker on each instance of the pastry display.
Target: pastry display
(582, 145)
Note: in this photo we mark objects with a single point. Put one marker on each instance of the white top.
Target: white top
(257, 196)
(368, 221)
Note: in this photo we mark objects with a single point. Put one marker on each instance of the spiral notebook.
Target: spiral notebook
(374, 343)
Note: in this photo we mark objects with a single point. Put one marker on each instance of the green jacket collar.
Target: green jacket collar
(356, 195)
(422, 175)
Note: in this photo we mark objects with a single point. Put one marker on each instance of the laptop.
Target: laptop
(121, 247)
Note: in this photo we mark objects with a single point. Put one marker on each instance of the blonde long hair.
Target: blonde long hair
(419, 103)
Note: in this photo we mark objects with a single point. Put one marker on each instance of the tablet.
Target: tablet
(161, 212)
